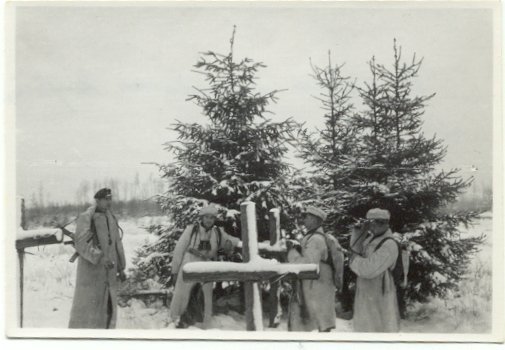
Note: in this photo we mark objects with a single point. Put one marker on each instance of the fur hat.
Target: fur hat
(316, 212)
(208, 210)
(377, 213)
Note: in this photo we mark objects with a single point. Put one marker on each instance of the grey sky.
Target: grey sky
(97, 86)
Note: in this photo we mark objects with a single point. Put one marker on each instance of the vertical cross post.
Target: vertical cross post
(21, 222)
(253, 314)
(274, 296)
(21, 254)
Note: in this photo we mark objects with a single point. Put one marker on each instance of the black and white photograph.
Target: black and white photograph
(261, 170)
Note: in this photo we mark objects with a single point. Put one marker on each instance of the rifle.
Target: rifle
(72, 234)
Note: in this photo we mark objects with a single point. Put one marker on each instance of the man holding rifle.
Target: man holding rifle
(101, 262)
(375, 255)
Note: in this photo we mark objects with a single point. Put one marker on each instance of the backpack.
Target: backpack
(400, 271)
(92, 228)
(335, 259)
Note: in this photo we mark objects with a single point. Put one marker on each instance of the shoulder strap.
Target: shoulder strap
(219, 235)
(384, 240)
(328, 260)
(317, 233)
(92, 227)
(399, 257)
(121, 232)
(194, 232)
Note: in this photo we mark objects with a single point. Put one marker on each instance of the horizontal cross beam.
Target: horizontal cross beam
(33, 238)
(268, 248)
(253, 271)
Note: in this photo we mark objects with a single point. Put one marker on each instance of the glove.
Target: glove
(197, 253)
(292, 244)
(121, 275)
(109, 264)
(228, 247)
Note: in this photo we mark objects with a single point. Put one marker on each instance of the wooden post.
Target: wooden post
(25, 239)
(21, 221)
(275, 308)
(21, 255)
(253, 313)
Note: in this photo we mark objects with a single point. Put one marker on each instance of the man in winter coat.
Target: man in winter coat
(101, 262)
(198, 242)
(312, 305)
(375, 303)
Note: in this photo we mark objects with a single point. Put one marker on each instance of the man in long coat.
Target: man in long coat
(312, 305)
(101, 262)
(375, 303)
(199, 242)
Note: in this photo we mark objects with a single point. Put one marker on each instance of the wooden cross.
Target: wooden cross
(253, 270)
(26, 239)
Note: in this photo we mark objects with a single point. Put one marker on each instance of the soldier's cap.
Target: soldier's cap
(316, 212)
(104, 193)
(209, 210)
(377, 213)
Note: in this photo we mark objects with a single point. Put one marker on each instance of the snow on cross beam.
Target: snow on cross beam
(33, 238)
(253, 270)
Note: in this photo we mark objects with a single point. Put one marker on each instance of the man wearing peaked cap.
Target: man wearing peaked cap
(199, 242)
(104, 193)
(101, 263)
(376, 303)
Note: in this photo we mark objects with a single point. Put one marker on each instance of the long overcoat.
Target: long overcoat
(191, 239)
(375, 303)
(96, 239)
(312, 307)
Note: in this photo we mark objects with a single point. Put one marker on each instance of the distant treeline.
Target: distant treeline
(478, 197)
(122, 190)
(53, 215)
(479, 205)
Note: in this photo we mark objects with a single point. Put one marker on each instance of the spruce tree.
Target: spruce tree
(329, 150)
(234, 154)
(390, 163)
(330, 153)
(398, 170)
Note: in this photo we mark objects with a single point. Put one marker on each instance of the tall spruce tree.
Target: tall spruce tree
(398, 171)
(330, 153)
(393, 165)
(236, 155)
(329, 150)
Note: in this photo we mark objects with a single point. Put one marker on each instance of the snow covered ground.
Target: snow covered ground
(50, 279)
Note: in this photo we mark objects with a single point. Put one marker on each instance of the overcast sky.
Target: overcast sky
(96, 87)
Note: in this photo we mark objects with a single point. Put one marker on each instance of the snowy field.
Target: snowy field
(50, 279)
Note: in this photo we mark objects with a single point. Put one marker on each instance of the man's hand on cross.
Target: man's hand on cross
(197, 253)
(293, 244)
(228, 248)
